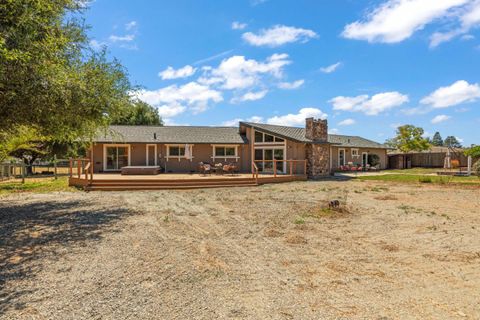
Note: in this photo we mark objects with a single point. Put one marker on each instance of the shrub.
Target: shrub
(476, 168)
(373, 160)
(425, 180)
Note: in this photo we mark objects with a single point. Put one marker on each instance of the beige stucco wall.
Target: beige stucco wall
(201, 153)
(382, 153)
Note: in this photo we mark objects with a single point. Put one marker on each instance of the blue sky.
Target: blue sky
(367, 66)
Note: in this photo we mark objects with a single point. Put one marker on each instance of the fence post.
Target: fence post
(274, 168)
(79, 171)
(23, 172)
(55, 166)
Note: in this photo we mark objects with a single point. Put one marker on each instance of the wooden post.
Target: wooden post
(92, 163)
(274, 168)
(70, 169)
(305, 167)
(79, 169)
(23, 172)
(55, 166)
(291, 167)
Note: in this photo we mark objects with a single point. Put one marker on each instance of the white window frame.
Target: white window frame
(225, 158)
(105, 146)
(168, 156)
(364, 164)
(268, 143)
(344, 156)
(357, 153)
(147, 155)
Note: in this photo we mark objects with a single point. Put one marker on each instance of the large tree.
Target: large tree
(138, 113)
(452, 142)
(409, 138)
(437, 139)
(49, 78)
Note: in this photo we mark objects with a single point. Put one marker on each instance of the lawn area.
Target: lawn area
(419, 178)
(39, 185)
(414, 171)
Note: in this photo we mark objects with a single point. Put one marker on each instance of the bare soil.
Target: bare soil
(390, 251)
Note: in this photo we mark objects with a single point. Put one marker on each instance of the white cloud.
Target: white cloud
(396, 20)
(333, 131)
(457, 93)
(175, 99)
(347, 122)
(237, 72)
(291, 85)
(468, 16)
(97, 45)
(278, 35)
(238, 25)
(172, 110)
(440, 118)
(171, 73)
(125, 38)
(130, 25)
(234, 122)
(331, 68)
(297, 119)
(467, 37)
(250, 96)
(374, 105)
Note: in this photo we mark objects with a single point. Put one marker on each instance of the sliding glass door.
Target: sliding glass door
(116, 157)
(264, 159)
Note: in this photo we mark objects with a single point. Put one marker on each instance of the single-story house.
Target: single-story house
(182, 148)
(431, 158)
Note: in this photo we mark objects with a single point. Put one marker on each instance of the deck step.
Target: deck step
(171, 183)
(164, 187)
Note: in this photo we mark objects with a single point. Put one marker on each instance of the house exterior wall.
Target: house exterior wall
(382, 154)
(200, 152)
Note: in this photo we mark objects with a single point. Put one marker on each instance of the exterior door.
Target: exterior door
(341, 157)
(151, 156)
(265, 157)
(116, 157)
(364, 159)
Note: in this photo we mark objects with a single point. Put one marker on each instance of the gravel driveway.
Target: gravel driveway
(269, 252)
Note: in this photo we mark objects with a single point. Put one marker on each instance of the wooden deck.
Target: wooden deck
(115, 181)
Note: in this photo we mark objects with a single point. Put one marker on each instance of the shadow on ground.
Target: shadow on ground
(34, 231)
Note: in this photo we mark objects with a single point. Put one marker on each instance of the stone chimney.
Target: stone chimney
(317, 152)
(316, 130)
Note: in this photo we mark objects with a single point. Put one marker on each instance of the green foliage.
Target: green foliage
(138, 113)
(437, 139)
(452, 142)
(23, 143)
(409, 138)
(425, 179)
(49, 78)
(473, 152)
(373, 159)
(36, 185)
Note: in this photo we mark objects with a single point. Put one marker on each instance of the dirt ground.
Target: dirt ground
(271, 252)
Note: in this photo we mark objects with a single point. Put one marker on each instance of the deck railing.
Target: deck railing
(83, 168)
(290, 164)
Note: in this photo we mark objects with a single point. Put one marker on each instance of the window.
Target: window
(354, 152)
(222, 151)
(268, 138)
(176, 151)
(258, 136)
(261, 137)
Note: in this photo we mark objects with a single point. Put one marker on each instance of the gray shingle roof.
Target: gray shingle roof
(298, 134)
(172, 134)
(218, 135)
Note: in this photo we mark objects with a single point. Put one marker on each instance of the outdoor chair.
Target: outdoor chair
(205, 168)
